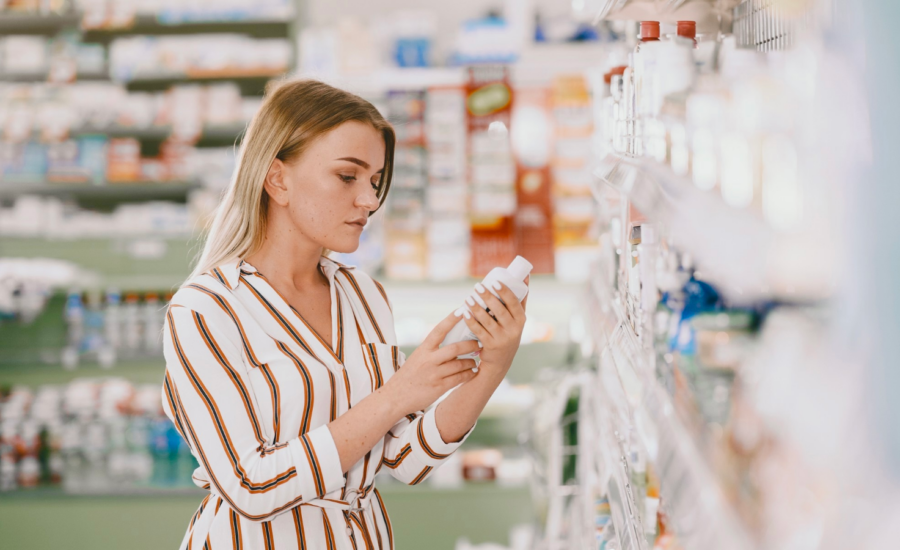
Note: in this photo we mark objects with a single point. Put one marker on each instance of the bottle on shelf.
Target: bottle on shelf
(688, 30)
(153, 323)
(112, 327)
(132, 335)
(74, 315)
(649, 33)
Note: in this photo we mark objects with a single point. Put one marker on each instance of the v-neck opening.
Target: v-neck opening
(336, 311)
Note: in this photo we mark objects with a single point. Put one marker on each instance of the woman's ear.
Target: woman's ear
(274, 184)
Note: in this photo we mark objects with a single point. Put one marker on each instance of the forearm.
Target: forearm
(359, 429)
(456, 414)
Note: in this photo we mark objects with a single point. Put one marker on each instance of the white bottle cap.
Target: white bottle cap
(520, 268)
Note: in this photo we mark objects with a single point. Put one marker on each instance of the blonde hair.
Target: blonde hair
(292, 115)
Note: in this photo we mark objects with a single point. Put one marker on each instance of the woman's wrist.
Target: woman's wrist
(389, 403)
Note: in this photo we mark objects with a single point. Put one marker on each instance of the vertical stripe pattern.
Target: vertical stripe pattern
(252, 387)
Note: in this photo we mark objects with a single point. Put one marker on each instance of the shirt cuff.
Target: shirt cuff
(432, 449)
(318, 463)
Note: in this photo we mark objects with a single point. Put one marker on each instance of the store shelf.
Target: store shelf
(149, 24)
(149, 369)
(115, 191)
(219, 135)
(696, 505)
(705, 12)
(380, 81)
(251, 82)
(734, 248)
(142, 371)
(43, 77)
(36, 23)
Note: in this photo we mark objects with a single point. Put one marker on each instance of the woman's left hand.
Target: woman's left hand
(499, 331)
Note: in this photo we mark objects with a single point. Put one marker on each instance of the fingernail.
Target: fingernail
(475, 369)
(470, 301)
(496, 285)
(466, 314)
(480, 345)
(480, 288)
(457, 313)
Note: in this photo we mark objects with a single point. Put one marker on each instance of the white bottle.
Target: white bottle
(512, 276)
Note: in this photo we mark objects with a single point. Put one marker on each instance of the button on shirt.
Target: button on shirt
(251, 388)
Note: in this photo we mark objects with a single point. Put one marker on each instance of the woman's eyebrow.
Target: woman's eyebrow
(356, 161)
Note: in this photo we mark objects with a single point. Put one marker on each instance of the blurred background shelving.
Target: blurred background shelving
(693, 366)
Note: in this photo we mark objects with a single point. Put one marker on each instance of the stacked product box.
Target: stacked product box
(575, 212)
(492, 171)
(532, 138)
(446, 198)
(405, 257)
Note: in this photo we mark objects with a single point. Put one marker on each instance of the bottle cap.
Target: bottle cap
(520, 268)
(649, 30)
(619, 70)
(687, 29)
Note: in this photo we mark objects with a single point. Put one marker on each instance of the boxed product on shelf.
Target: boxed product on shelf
(447, 195)
(491, 167)
(33, 216)
(531, 138)
(22, 162)
(197, 55)
(574, 210)
(81, 160)
(123, 160)
(100, 14)
(406, 248)
(23, 55)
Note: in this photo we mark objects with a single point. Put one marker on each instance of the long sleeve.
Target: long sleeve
(208, 396)
(413, 448)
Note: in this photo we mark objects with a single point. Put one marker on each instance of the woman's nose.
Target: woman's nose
(368, 200)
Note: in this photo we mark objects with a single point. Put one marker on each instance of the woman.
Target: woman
(282, 370)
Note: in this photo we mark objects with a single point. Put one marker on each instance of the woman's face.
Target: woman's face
(329, 190)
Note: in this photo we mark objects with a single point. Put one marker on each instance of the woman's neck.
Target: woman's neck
(287, 263)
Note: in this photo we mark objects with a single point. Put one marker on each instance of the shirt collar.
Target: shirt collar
(230, 272)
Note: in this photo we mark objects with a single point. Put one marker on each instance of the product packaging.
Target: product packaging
(492, 170)
(512, 276)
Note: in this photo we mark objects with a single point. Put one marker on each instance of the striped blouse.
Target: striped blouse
(251, 388)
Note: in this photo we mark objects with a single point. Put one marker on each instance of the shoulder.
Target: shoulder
(207, 294)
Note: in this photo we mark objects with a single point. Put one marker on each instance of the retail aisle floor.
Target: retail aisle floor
(422, 518)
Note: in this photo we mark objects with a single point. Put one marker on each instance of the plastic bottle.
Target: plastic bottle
(512, 276)
(649, 33)
(112, 318)
(688, 29)
(74, 315)
(131, 325)
(153, 324)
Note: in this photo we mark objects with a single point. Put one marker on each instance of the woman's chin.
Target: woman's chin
(344, 247)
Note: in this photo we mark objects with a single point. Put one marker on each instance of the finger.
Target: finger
(509, 298)
(484, 318)
(475, 325)
(450, 351)
(459, 378)
(456, 365)
(439, 332)
(527, 294)
(498, 310)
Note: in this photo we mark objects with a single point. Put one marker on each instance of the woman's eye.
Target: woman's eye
(375, 184)
(347, 179)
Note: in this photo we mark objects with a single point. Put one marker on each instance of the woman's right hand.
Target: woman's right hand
(430, 371)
